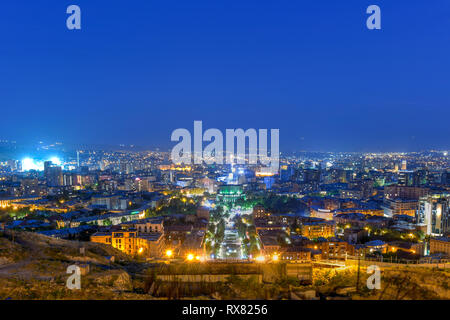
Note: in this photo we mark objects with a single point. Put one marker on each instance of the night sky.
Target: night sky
(139, 69)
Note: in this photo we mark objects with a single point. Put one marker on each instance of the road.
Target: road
(231, 247)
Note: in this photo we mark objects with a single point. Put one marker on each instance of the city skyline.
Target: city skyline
(41, 152)
(325, 221)
(222, 158)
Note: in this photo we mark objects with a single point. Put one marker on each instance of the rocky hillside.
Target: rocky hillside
(34, 266)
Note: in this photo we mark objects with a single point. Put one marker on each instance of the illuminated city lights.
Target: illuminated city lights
(119, 179)
(38, 165)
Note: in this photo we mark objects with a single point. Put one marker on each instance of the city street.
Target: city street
(231, 247)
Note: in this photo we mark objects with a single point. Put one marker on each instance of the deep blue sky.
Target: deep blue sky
(139, 69)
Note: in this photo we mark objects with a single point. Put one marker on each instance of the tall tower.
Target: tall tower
(78, 159)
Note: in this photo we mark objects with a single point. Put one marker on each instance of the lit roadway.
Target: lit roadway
(231, 247)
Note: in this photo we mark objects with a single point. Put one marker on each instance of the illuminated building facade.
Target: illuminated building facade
(434, 213)
(260, 212)
(405, 178)
(333, 249)
(440, 245)
(400, 207)
(230, 193)
(132, 242)
(125, 241)
(314, 230)
(404, 192)
(297, 254)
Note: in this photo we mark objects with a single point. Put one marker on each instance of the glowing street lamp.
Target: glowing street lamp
(190, 257)
(169, 253)
(275, 257)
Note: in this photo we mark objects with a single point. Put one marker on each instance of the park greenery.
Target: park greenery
(273, 203)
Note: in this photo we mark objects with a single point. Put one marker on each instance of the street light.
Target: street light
(169, 253)
(275, 257)
(190, 257)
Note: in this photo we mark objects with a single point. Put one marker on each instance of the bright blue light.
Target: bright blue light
(56, 160)
(38, 165)
(31, 164)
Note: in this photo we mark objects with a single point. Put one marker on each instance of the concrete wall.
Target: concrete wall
(205, 277)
